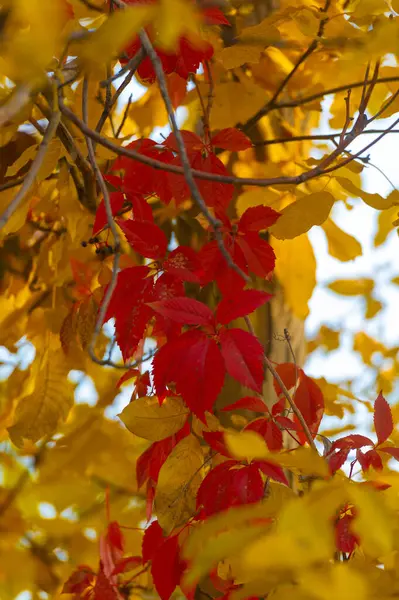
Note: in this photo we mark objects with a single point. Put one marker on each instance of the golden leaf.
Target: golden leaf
(86, 321)
(302, 215)
(340, 581)
(341, 245)
(352, 287)
(246, 445)
(113, 35)
(39, 414)
(373, 521)
(296, 271)
(178, 483)
(147, 419)
(374, 200)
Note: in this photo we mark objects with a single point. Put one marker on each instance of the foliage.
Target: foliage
(148, 263)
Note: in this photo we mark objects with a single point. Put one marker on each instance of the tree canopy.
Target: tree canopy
(161, 165)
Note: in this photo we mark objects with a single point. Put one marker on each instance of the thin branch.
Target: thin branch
(34, 170)
(111, 224)
(188, 173)
(133, 65)
(316, 137)
(286, 393)
(272, 181)
(10, 184)
(311, 48)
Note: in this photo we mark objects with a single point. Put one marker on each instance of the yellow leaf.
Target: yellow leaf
(373, 306)
(86, 321)
(302, 460)
(340, 581)
(174, 18)
(113, 35)
(296, 271)
(374, 200)
(385, 225)
(367, 347)
(257, 197)
(302, 215)
(239, 54)
(341, 245)
(246, 445)
(178, 483)
(373, 521)
(39, 414)
(352, 287)
(147, 419)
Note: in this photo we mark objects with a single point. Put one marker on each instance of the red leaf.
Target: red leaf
(257, 218)
(194, 363)
(309, 399)
(215, 439)
(394, 452)
(288, 373)
(177, 88)
(383, 421)
(271, 433)
(129, 308)
(115, 536)
(184, 310)
(371, 458)
(127, 376)
(145, 237)
(243, 357)
(79, 581)
(141, 210)
(273, 471)
(335, 461)
(344, 538)
(258, 253)
(248, 403)
(231, 139)
(240, 304)
(117, 200)
(127, 564)
(214, 16)
(192, 143)
(166, 568)
(152, 540)
(351, 442)
(103, 590)
(229, 484)
(214, 492)
(183, 263)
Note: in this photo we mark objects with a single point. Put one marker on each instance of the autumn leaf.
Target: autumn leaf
(383, 422)
(178, 482)
(147, 419)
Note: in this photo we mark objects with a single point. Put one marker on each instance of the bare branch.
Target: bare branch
(110, 221)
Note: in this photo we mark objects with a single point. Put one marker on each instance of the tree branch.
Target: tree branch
(187, 171)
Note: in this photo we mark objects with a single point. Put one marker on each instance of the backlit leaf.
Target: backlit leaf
(302, 215)
(383, 422)
(341, 245)
(146, 418)
(178, 483)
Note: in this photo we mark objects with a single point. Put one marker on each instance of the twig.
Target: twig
(188, 173)
(156, 164)
(111, 224)
(34, 170)
(311, 48)
(10, 184)
(125, 114)
(286, 393)
(132, 65)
